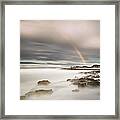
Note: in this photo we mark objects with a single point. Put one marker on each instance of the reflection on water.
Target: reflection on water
(58, 89)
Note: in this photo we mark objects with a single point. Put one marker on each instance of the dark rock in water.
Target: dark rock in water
(91, 72)
(98, 80)
(95, 83)
(90, 78)
(97, 71)
(39, 92)
(95, 66)
(43, 82)
(22, 97)
(96, 76)
(29, 93)
(69, 79)
(45, 91)
(84, 81)
(82, 84)
(84, 67)
(75, 90)
(72, 80)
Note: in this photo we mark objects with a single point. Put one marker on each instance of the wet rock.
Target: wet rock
(75, 90)
(85, 81)
(29, 93)
(72, 80)
(82, 85)
(96, 76)
(22, 97)
(95, 83)
(92, 72)
(79, 83)
(90, 78)
(69, 79)
(43, 82)
(98, 80)
(84, 66)
(40, 92)
(95, 66)
(97, 71)
(45, 91)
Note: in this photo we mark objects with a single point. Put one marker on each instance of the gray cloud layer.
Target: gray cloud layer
(53, 40)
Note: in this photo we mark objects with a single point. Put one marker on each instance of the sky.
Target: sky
(60, 40)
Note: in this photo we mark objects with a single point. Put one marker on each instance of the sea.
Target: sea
(32, 72)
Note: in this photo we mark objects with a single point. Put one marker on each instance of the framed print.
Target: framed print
(60, 59)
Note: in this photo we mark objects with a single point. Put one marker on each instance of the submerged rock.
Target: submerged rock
(95, 83)
(89, 80)
(22, 97)
(91, 72)
(45, 91)
(43, 82)
(29, 93)
(95, 66)
(80, 84)
(39, 92)
(75, 90)
(72, 80)
(96, 76)
(69, 79)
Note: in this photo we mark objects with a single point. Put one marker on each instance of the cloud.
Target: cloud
(53, 39)
(84, 33)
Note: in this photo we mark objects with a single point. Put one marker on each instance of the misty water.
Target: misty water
(62, 89)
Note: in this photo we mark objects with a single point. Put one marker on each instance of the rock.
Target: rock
(39, 92)
(75, 90)
(98, 80)
(29, 93)
(72, 80)
(92, 72)
(96, 76)
(43, 82)
(22, 97)
(82, 79)
(92, 78)
(69, 79)
(95, 66)
(82, 84)
(45, 91)
(95, 83)
(97, 71)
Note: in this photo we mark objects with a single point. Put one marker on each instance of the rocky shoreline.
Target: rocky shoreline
(89, 78)
(84, 67)
(93, 79)
(44, 91)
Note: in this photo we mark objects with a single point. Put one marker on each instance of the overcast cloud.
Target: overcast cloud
(54, 40)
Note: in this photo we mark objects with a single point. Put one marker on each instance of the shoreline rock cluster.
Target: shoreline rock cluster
(39, 91)
(84, 67)
(93, 79)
